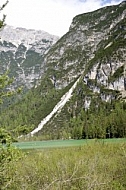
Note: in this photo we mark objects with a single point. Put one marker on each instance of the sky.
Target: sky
(52, 16)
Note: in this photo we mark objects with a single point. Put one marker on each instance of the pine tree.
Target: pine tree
(4, 79)
(2, 22)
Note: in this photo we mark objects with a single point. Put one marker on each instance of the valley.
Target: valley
(63, 105)
(93, 53)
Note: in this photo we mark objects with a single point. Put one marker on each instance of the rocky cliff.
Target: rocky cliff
(95, 46)
(93, 51)
(22, 52)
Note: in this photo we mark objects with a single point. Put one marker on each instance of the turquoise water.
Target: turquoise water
(62, 143)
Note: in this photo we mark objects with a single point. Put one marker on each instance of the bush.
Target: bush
(97, 166)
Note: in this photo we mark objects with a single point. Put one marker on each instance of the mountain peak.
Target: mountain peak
(22, 51)
(25, 36)
(94, 50)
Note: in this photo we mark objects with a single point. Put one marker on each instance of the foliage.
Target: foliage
(9, 155)
(118, 73)
(103, 123)
(5, 81)
(4, 16)
(32, 108)
(5, 136)
(97, 166)
(75, 121)
(103, 119)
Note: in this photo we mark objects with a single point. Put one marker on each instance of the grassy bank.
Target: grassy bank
(93, 166)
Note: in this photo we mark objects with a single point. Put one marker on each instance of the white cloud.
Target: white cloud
(53, 16)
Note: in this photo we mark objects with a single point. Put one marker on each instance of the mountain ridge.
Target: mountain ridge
(95, 51)
(19, 35)
(22, 51)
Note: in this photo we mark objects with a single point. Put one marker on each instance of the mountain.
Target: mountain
(91, 58)
(22, 52)
(87, 47)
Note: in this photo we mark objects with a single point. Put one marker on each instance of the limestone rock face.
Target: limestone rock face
(93, 51)
(95, 46)
(22, 51)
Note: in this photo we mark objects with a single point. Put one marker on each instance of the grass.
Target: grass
(92, 165)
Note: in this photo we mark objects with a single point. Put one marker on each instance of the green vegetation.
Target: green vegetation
(5, 81)
(97, 166)
(32, 60)
(101, 120)
(25, 115)
(118, 73)
(8, 156)
(91, 17)
(4, 16)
